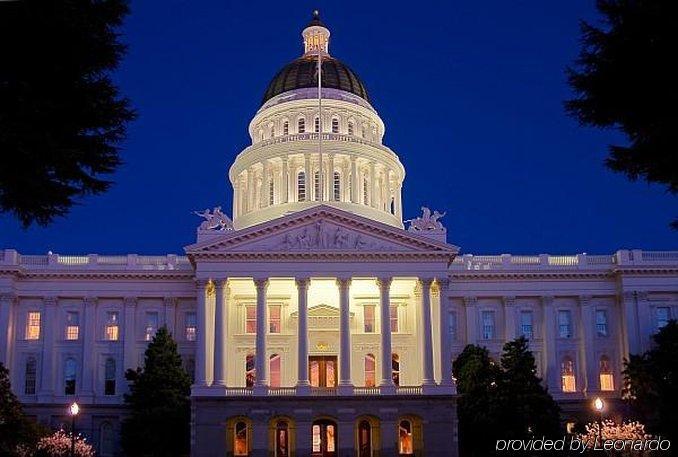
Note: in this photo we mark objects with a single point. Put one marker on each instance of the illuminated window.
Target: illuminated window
(250, 319)
(286, 128)
(370, 371)
(393, 313)
(301, 186)
(72, 325)
(282, 439)
(272, 131)
(191, 325)
(452, 325)
(250, 371)
(488, 324)
(30, 376)
(271, 192)
(350, 127)
(606, 375)
(33, 325)
(570, 428)
(368, 318)
(111, 328)
(70, 368)
(274, 370)
(364, 439)
(526, 324)
(109, 377)
(335, 125)
(240, 447)
(568, 382)
(316, 125)
(316, 186)
(601, 322)
(395, 369)
(151, 325)
(106, 440)
(663, 315)
(565, 323)
(337, 186)
(274, 319)
(301, 125)
(405, 438)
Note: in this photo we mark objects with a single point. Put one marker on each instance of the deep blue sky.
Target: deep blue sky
(471, 94)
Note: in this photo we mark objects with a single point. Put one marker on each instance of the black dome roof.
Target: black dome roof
(301, 73)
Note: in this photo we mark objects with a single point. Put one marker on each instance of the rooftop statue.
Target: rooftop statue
(427, 221)
(214, 220)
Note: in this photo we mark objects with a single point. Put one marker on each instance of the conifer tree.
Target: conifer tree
(16, 430)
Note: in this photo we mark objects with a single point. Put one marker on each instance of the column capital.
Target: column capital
(628, 295)
(584, 300)
(202, 283)
(343, 282)
(384, 282)
(220, 283)
(641, 295)
(443, 283)
(50, 300)
(547, 300)
(508, 300)
(129, 301)
(302, 283)
(9, 298)
(170, 300)
(470, 300)
(426, 282)
(261, 283)
(90, 300)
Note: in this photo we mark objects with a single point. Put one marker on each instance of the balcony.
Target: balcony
(203, 391)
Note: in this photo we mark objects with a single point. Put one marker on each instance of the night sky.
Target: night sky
(471, 94)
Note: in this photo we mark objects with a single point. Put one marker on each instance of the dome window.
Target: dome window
(316, 125)
(272, 131)
(286, 128)
(337, 186)
(301, 186)
(316, 186)
(301, 126)
(350, 127)
(335, 125)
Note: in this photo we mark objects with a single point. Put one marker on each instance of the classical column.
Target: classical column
(373, 187)
(427, 332)
(250, 189)
(264, 193)
(201, 337)
(345, 380)
(630, 329)
(471, 319)
(509, 318)
(129, 334)
(398, 203)
(330, 178)
(171, 314)
(284, 181)
(308, 178)
(549, 365)
(88, 339)
(236, 196)
(445, 343)
(260, 360)
(302, 334)
(354, 181)
(386, 352)
(221, 289)
(7, 306)
(47, 327)
(586, 342)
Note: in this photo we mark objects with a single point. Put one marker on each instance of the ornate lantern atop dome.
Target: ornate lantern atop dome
(316, 36)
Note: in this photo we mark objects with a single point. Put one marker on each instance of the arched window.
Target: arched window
(370, 370)
(274, 370)
(337, 186)
(106, 440)
(282, 439)
(316, 186)
(29, 379)
(364, 439)
(350, 127)
(250, 371)
(335, 125)
(363, 131)
(392, 205)
(568, 382)
(374, 133)
(301, 186)
(286, 128)
(606, 375)
(365, 191)
(240, 438)
(261, 135)
(271, 192)
(301, 125)
(70, 368)
(395, 368)
(405, 438)
(109, 378)
(316, 125)
(272, 131)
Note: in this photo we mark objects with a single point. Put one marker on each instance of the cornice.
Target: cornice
(551, 274)
(115, 275)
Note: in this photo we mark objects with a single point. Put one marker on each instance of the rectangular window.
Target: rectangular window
(250, 319)
(601, 322)
(452, 325)
(190, 326)
(526, 324)
(368, 318)
(72, 325)
(151, 325)
(565, 324)
(111, 329)
(606, 381)
(33, 325)
(488, 325)
(663, 315)
(274, 319)
(393, 313)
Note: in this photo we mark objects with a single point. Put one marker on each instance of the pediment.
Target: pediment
(318, 230)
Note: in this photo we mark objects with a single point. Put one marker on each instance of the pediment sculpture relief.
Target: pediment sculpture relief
(321, 236)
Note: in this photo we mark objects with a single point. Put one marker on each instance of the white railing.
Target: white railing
(409, 390)
(323, 391)
(563, 260)
(281, 391)
(239, 391)
(33, 260)
(366, 391)
(660, 256)
(73, 260)
(94, 261)
(314, 137)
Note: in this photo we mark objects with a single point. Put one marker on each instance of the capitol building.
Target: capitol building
(315, 320)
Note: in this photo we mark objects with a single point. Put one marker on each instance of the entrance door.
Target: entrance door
(322, 371)
(324, 439)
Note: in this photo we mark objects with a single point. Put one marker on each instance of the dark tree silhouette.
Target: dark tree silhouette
(61, 117)
(158, 424)
(15, 428)
(625, 78)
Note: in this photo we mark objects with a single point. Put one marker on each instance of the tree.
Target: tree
(527, 409)
(159, 419)
(16, 430)
(611, 431)
(625, 79)
(651, 381)
(58, 444)
(61, 116)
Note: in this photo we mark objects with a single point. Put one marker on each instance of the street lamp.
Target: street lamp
(599, 405)
(73, 410)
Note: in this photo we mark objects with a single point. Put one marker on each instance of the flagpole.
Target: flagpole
(320, 124)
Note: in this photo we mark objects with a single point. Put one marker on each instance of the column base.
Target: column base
(387, 389)
(345, 389)
(303, 388)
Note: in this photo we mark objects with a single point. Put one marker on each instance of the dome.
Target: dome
(301, 73)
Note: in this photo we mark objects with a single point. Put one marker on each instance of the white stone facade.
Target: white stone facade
(320, 316)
